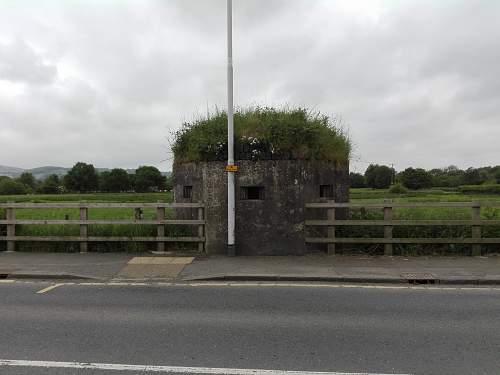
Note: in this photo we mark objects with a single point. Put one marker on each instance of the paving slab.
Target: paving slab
(153, 267)
(149, 271)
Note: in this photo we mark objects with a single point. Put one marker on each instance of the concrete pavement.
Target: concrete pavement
(445, 270)
(373, 330)
(141, 266)
(100, 266)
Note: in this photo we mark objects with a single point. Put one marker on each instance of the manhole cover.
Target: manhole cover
(419, 277)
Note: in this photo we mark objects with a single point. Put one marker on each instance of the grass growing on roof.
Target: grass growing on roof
(264, 133)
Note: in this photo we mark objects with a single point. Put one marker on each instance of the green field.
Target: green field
(427, 213)
(93, 214)
(356, 195)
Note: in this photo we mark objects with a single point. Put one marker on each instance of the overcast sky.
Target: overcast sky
(107, 82)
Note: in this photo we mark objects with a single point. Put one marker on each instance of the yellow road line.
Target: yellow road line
(49, 288)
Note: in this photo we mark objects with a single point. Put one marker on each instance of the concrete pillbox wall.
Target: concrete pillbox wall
(270, 199)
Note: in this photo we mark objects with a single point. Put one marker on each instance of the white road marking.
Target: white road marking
(169, 369)
(337, 286)
(49, 288)
(266, 284)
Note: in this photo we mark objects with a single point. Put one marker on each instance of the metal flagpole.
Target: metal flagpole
(231, 168)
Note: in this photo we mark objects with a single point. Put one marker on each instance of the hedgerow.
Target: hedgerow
(480, 189)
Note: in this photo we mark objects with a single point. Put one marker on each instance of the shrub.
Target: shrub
(263, 133)
(398, 189)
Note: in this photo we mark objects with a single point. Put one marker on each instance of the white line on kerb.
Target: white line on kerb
(169, 369)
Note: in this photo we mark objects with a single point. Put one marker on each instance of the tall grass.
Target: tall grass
(425, 213)
(165, 197)
(94, 214)
(357, 195)
(264, 133)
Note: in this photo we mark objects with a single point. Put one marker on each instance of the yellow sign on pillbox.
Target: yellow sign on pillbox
(231, 168)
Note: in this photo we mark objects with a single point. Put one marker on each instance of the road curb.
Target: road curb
(48, 276)
(347, 279)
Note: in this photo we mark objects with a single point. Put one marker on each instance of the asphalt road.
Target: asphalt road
(331, 329)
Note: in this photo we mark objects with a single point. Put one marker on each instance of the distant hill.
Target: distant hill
(42, 172)
(10, 171)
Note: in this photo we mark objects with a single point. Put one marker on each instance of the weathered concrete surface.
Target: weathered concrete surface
(445, 270)
(272, 226)
(465, 270)
(101, 266)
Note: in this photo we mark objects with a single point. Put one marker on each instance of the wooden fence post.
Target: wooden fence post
(388, 250)
(83, 229)
(11, 229)
(201, 245)
(476, 229)
(330, 214)
(160, 228)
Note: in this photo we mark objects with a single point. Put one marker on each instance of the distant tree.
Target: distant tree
(415, 178)
(9, 186)
(28, 179)
(51, 185)
(473, 176)
(148, 178)
(496, 174)
(357, 180)
(81, 178)
(379, 176)
(115, 181)
(450, 176)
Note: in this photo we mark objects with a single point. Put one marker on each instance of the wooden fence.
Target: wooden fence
(388, 223)
(84, 222)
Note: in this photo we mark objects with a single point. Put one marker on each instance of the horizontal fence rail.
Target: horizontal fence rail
(388, 223)
(84, 238)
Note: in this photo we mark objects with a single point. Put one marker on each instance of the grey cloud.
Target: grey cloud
(417, 81)
(20, 63)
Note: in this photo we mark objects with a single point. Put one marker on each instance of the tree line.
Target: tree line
(382, 177)
(83, 178)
